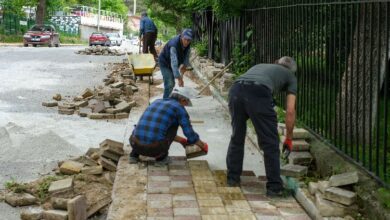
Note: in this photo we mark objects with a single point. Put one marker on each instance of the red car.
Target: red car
(99, 39)
(40, 35)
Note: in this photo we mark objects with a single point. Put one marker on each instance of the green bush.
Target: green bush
(243, 61)
(201, 47)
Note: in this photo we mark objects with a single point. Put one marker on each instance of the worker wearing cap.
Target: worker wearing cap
(157, 128)
(250, 97)
(174, 59)
(148, 34)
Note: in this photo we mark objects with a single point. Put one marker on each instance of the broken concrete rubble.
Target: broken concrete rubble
(100, 50)
(61, 185)
(20, 199)
(77, 208)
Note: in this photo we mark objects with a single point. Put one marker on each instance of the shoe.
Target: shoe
(233, 183)
(133, 160)
(279, 194)
(163, 162)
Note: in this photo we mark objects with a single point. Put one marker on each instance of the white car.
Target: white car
(115, 38)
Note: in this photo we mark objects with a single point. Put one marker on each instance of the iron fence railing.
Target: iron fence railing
(342, 51)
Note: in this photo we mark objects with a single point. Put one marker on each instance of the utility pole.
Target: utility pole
(135, 7)
(98, 21)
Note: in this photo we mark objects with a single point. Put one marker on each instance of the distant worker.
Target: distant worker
(250, 97)
(158, 125)
(148, 35)
(174, 59)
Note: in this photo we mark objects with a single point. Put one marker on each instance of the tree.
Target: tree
(41, 8)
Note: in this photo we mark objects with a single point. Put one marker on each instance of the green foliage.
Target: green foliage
(201, 47)
(384, 197)
(43, 187)
(243, 61)
(14, 186)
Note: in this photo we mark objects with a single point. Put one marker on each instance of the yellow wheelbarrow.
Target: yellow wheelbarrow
(142, 65)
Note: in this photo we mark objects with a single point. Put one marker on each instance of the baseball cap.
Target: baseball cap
(185, 92)
(187, 34)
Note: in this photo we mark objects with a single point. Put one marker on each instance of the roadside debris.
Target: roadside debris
(113, 100)
(102, 51)
(81, 186)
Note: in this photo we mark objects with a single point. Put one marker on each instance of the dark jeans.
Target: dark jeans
(148, 43)
(159, 149)
(248, 100)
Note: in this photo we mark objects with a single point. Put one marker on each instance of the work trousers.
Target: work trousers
(169, 80)
(158, 149)
(250, 100)
(149, 40)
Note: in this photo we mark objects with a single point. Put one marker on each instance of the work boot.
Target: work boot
(163, 162)
(133, 160)
(232, 183)
(283, 193)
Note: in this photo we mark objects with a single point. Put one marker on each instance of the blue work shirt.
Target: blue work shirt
(174, 54)
(159, 117)
(147, 25)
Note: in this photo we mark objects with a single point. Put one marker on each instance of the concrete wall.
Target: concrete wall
(86, 31)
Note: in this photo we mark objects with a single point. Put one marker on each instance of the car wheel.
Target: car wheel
(50, 44)
(57, 45)
(25, 45)
(34, 45)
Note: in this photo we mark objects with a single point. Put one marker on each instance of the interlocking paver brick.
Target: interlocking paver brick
(152, 184)
(159, 218)
(242, 216)
(256, 197)
(175, 190)
(158, 190)
(159, 178)
(204, 183)
(157, 197)
(214, 217)
(181, 184)
(267, 217)
(187, 218)
(206, 189)
(184, 197)
(207, 195)
(181, 178)
(158, 173)
(177, 167)
(229, 189)
(212, 211)
(179, 172)
(232, 196)
(210, 202)
(185, 204)
(159, 204)
(262, 205)
(160, 212)
(186, 212)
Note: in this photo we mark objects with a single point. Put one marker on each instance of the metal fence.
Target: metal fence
(342, 51)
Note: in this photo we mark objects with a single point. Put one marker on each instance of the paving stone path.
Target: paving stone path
(186, 190)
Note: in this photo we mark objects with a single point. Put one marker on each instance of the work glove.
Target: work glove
(183, 142)
(287, 148)
(205, 147)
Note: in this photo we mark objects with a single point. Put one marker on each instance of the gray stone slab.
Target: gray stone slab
(122, 115)
(59, 203)
(66, 111)
(20, 199)
(123, 107)
(300, 158)
(107, 164)
(71, 167)
(300, 145)
(313, 188)
(301, 133)
(113, 146)
(101, 116)
(344, 179)
(339, 195)
(87, 93)
(110, 155)
(55, 215)
(98, 205)
(82, 103)
(328, 208)
(35, 213)
(323, 186)
(93, 170)
(50, 104)
(61, 185)
(83, 112)
(77, 208)
(293, 170)
(117, 85)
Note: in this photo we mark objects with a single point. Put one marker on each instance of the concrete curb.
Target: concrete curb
(21, 45)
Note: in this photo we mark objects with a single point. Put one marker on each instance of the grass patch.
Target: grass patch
(11, 38)
(43, 187)
(71, 39)
(384, 197)
(15, 187)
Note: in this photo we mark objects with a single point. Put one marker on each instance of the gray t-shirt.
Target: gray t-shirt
(275, 77)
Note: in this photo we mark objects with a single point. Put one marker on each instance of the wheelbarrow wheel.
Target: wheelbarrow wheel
(151, 80)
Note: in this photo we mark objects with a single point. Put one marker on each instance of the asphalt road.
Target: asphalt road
(32, 137)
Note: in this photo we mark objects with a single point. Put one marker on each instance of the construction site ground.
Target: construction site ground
(189, 190)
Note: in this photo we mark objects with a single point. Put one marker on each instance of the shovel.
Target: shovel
(214, 78)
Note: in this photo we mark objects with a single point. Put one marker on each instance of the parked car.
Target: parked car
(40, 35)
(98, 38)
(115, 39)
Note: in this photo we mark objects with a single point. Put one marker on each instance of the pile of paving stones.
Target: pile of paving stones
(113, 100)
(100, 50)
(210, 69)
(333, 198)
(70, 197)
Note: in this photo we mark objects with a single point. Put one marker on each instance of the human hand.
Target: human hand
(181, 82)
(203, 145)
(183, 141)
(182, 69)
(287, 148)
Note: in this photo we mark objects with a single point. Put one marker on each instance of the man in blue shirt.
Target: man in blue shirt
(174, 59)
(148, 34)
(157, 128)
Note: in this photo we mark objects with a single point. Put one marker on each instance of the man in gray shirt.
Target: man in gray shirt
(250, 97)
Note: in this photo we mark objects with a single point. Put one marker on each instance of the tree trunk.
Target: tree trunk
(41, 12)
(356, 110)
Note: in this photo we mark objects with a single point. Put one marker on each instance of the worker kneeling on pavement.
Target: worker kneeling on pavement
(250, 97)
(157, 128)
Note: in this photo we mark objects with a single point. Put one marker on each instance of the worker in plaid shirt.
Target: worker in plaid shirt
(157, 128)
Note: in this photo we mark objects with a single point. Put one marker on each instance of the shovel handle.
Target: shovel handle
(215, 77)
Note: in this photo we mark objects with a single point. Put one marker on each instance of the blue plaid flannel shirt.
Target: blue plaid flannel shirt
(159, 117)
